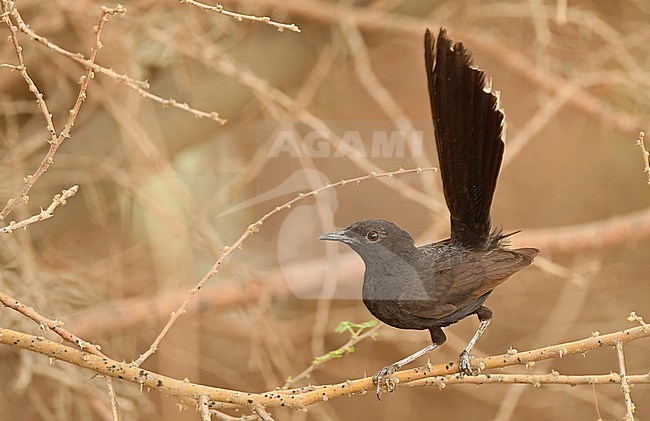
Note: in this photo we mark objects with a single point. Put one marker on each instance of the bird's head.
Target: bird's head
(374, 239)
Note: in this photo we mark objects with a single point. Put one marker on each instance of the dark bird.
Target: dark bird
(435, 285)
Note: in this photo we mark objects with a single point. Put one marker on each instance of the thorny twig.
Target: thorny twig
(625, 386)
(59, 199)
(240, 17)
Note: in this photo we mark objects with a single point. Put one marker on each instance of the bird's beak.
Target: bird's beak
(342, 236)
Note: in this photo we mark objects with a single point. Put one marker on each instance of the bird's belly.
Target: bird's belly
(389, 312)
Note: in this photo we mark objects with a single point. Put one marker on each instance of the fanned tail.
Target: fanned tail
(468, 130)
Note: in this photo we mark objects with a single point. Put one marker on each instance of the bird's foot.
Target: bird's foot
(465, 367)
(385, 374)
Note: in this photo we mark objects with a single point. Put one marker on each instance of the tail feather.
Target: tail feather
(468, 130)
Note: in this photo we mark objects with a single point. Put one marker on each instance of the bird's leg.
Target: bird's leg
(437, 337)
(484, 315)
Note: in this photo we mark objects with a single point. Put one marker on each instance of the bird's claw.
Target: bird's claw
(465, 367)
(385, 374)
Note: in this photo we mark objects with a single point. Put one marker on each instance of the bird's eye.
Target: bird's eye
(372, 236)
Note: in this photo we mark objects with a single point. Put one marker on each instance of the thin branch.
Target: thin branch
(253, 228)
(59, 199)
(645, 154)
(625, 386)
(13, 38)
(596, 405)
(240, 17)
(537, 380)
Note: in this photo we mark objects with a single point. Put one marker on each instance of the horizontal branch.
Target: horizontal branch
(534, 379)
(300, 398)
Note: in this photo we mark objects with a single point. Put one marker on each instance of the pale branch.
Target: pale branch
(299, 399)
(253, 228)
(59, 200)
(240, 17)
(537, 380)
(625, 383)
(137, 85)
(56, 140)
(645, 154)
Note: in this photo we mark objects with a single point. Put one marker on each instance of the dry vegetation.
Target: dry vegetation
(179, 240)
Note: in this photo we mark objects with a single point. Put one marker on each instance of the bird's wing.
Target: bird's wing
(458, 285)
(468, 130)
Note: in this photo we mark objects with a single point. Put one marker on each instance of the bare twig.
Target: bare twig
(59, 199)
(629, 405)
(537, 380)
(645, 154)
(240, 17)
(253, 228)
(42, 106)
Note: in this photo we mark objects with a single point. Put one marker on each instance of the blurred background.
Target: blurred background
(162, 191)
